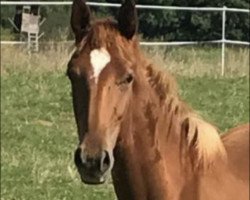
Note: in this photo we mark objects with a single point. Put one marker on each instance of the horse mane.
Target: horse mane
(161, 81)
(201, 138)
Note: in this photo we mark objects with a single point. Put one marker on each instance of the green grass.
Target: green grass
(38, 140)
(222, 101)
(38, 132)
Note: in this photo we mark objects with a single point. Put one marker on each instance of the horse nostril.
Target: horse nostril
(77, 158)
(92, 164)
(105, 161)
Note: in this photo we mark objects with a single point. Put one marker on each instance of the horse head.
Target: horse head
(102, 76)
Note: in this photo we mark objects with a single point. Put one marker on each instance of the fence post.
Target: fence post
(223, 41)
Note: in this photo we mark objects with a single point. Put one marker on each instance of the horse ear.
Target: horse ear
(80, 19)
(127, 19)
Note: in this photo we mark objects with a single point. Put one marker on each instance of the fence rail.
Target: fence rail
(223, 10)
(153, 7)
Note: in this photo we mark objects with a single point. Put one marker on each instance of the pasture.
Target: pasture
(38, 133)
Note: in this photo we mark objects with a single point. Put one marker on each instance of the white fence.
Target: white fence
(224, 9)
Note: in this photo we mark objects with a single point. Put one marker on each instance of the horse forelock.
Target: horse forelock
(104, 33)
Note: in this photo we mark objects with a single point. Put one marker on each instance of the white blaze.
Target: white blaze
(99, 58)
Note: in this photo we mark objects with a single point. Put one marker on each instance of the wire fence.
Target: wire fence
(223, 10)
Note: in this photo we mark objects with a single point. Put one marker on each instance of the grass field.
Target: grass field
(38, 133)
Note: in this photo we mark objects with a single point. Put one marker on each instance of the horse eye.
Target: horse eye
(125, 80)
(129, 78)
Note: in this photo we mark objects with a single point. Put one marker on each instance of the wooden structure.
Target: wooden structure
(27, 21)
(30, 25)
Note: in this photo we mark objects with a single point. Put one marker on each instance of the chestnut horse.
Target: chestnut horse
(131, 121)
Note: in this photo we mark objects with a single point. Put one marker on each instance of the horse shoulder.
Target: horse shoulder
(236, 142)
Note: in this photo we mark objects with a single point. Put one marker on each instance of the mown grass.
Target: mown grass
(38, 133)
(38, 140)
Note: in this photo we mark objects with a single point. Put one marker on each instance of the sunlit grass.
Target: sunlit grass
(182, 60)
(51, 57)
(201, 60)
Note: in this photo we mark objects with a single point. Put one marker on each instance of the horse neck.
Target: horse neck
(148, 133)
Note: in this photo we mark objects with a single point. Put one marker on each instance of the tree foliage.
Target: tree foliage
(193, 25)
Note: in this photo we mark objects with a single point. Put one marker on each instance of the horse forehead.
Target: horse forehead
(99, 58)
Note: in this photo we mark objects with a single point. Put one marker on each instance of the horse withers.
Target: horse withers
(132, 123)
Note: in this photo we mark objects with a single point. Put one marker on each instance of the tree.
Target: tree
(187, 25)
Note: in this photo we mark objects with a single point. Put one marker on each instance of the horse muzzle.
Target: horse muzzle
(93, 169)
